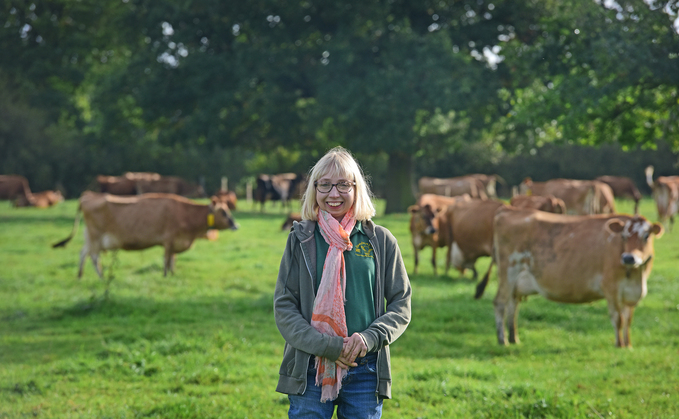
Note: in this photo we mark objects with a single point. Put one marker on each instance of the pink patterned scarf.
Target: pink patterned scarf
(328, 316)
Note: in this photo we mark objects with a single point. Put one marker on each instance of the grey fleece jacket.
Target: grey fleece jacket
(294, 303)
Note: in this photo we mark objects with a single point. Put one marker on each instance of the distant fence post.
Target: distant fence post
(225, 184)
(248, 192)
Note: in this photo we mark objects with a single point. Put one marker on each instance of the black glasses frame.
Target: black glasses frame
(334, 185)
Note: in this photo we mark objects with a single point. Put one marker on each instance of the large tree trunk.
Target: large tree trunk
(398, 192)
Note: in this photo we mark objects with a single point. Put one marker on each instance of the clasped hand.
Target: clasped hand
(352, 348)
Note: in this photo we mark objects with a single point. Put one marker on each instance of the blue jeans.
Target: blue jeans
(357, 398)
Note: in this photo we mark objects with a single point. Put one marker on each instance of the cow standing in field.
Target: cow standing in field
(665, 194)
(139, 222)
(571, 259)
(13, 187)
(116, 185)
(471, 233)
(281, 187)
(489, 183)
(623, 187)
(42, 199)
(428, 225)
(142, 176)
(227, 197)
(170, 185)
(580, 196)
(548, 203)
(453, 186)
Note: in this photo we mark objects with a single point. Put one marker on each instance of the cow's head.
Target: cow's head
(221, 216)
(637, 236)
(422, 227)
(422, 219)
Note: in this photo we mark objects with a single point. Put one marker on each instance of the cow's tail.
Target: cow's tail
(73, 231)
(592, 201)
(481, 287)
(649, 176)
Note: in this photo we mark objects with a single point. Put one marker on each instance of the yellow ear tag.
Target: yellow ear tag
(210, 220)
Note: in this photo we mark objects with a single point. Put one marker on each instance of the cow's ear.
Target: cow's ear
(413, 209)
(657, 229)
(213, 200)
(615, 226)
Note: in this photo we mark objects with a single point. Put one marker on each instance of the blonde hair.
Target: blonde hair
(338, 162)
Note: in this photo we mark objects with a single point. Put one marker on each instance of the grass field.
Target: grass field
(203, 343)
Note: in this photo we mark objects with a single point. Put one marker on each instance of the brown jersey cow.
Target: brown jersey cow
(139, 222)
(227, 197)
(489, 182)
(454, 186)
(665, 194)
(623, 187)
(13, 187)
(428, 225)
(171, 185)
(471, 232)
(42, 199)
(116, 185)
(580, 196)
(548, 203)
(571, 259)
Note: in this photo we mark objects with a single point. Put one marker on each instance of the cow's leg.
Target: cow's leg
(167, 260)
(173, 258)
(671, 222)
(475, 275)
(616, 320)
(97, 263)
(500, 304)
(433, 258)
(512, 320)
(84, 252)
(500, 310)
(447, 261)
(83, 256)
(627, 313)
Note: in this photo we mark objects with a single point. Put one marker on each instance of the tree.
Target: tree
(306, 75)
(592, 73)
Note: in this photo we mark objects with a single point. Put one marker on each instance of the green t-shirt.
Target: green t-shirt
(360, 266)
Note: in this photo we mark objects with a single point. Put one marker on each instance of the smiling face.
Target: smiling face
(334, 202)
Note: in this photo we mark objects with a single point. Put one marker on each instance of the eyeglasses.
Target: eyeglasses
(326, 187)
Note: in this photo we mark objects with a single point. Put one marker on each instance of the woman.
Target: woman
(342, 296)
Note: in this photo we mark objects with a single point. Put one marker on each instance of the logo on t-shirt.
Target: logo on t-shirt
(364, 249)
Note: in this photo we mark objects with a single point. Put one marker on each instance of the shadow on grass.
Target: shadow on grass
(450, 323)
(38, 219)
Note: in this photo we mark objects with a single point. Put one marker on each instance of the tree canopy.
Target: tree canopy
(409, 80)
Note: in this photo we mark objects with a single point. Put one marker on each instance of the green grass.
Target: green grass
(203, 343)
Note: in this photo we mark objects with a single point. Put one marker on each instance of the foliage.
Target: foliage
(595, 72)
(131, 85)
